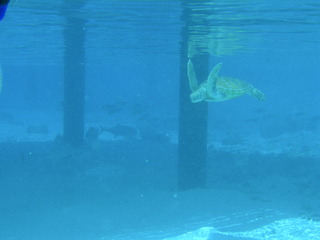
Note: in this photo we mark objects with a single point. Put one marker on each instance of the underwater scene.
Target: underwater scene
(159, 120)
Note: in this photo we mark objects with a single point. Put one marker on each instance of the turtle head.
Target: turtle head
(197, 96)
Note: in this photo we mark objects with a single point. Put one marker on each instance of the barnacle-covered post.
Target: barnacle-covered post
(192, 116)
(74, 73)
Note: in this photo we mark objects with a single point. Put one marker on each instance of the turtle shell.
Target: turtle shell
(228, 88)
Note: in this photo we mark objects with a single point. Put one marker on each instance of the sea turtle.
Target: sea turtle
(217, 88)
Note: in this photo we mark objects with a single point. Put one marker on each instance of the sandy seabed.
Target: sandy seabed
(117, 188)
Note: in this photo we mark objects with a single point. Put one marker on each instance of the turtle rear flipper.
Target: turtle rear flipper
(212, 80)
(256, 93)
(193, 83)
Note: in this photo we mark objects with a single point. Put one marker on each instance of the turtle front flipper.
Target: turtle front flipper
(212, 80)
(193, 83)
(256, 93)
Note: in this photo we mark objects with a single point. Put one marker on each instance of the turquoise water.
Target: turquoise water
(263, 157)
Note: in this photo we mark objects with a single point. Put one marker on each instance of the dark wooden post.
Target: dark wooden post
(192, 118)
(74, 78)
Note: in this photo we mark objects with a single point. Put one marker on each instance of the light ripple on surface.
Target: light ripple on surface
(144, 27)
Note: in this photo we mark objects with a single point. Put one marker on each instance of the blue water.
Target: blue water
(262, 156)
